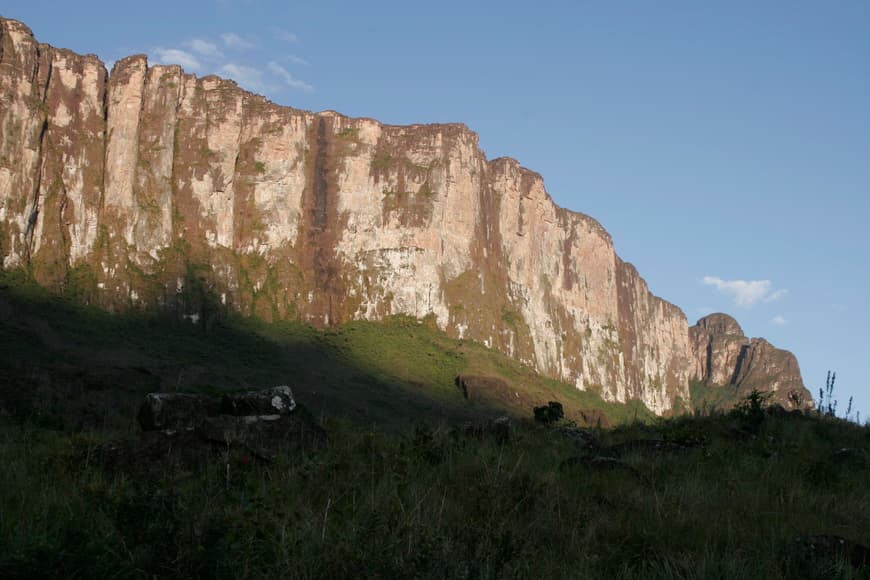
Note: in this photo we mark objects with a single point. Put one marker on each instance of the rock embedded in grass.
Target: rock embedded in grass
(176, 411)
(274, 401)
(476, 387)
(189, 425)
(263, 435)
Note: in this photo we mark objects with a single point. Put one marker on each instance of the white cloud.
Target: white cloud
(775, 296)
(233, 40)
(247, 76)
(285, 35)
(204, 48)
(202, 55)
(288, 78)
(779, 320)
(177, 56)
(746, 293)
(293, 59)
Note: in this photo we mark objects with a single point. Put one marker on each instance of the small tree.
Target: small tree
(752, 407)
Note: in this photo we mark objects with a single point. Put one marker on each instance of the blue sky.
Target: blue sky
(725, 145)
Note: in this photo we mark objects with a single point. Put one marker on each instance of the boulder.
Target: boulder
(153, 451)
(176, 411)
(474, 386)
(190, 428)
(262, 435)
(275, 401)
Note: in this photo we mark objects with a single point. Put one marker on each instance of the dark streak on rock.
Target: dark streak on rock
(320, 175)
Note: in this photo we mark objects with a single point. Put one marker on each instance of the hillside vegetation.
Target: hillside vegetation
(727, 496)
(402, 489)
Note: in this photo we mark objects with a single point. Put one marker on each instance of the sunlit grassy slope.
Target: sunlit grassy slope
(75, 366)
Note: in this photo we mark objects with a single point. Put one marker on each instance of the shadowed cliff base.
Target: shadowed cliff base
(78, 367)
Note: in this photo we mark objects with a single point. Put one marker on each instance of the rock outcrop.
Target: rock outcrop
(192, 428)
(723, 356)
(149, 187)
(176, 411)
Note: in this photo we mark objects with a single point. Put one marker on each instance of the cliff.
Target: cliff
(723, 356)
(149, 187)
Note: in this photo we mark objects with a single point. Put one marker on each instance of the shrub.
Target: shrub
(751, 408)
(549, 413)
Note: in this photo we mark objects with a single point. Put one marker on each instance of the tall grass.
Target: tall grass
(430, 503)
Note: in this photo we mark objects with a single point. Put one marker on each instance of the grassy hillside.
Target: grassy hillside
(72, 366)
(727, 496)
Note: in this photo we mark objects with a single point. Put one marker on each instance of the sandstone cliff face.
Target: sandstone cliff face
(152, 187)
(723, 356)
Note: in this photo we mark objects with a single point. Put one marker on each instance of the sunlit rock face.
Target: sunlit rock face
(149, 187)
(723, 356)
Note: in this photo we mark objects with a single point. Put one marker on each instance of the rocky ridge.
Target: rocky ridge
(150, 187)
(723, 356)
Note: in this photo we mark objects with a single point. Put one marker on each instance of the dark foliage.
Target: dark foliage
(549, 413)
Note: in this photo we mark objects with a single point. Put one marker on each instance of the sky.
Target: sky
(724, 144)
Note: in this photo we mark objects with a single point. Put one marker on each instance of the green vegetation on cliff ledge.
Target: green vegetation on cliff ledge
(709, 397)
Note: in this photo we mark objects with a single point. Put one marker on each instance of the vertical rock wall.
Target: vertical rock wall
(150, 187)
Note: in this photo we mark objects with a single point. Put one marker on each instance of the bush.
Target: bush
(549, 413)
(751, 408)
